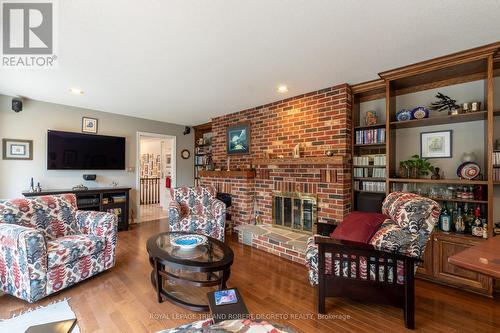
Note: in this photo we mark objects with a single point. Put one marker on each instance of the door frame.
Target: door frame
(173, 164)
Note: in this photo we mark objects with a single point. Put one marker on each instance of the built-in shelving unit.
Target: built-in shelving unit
(477, 67)
(202, 149)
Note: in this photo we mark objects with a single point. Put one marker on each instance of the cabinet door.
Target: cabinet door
(448, 245)
(426, 268)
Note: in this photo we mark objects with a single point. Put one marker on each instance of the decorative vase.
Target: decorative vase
(435, 174)
(403, 115)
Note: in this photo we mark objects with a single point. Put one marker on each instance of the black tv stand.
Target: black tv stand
(104, 199)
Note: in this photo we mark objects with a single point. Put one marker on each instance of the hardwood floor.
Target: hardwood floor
(123, 300)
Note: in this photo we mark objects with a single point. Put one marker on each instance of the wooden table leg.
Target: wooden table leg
(159, 284)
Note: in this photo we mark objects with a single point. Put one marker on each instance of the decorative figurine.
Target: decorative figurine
(371, 118)
(32, 186)
(435, 174)
(38, 188)
(444, 103)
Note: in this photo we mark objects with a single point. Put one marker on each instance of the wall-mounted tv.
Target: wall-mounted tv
(77, 151)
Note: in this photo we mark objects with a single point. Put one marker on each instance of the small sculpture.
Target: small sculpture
(444, 103)
(435, 174)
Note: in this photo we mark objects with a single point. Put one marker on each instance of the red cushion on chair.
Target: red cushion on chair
(358, 226)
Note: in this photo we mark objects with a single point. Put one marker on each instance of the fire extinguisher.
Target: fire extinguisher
(168, 182)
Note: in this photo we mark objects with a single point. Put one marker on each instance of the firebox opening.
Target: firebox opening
(294, 211)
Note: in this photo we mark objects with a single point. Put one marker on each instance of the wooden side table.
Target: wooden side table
(483, 258)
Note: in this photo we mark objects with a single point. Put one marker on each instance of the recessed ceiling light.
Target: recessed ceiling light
(76, 91)
(282, 89)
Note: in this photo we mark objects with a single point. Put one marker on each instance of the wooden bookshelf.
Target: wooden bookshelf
(478, 64)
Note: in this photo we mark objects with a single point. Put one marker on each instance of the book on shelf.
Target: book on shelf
(369, 172)
(371, 136)
(369, 160)
(496, 175)
(496, 158)
(369, 186)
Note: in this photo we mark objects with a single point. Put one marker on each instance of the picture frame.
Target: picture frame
(14, 149)
(238, 139)
(89, 125)
(437, 144)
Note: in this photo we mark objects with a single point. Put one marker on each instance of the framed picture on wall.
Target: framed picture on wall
(238, 139)
(89, 125)
(436, 144)
(14, 149)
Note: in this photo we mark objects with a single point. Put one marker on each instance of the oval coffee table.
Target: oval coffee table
(184, 277)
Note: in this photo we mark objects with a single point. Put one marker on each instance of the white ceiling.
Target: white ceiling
(185, 61)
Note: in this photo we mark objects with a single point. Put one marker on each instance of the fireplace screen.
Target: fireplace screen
(294, 211)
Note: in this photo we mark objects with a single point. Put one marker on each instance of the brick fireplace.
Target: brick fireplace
(318, 121)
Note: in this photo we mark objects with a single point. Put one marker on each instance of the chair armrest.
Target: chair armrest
(327, 242)
(96, 223)
(100, 224)
(23, 261)
(174, 215)
(217, 208)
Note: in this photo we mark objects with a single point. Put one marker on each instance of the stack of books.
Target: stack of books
(369, 186)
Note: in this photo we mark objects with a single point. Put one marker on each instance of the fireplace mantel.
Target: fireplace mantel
(248, 174)
(333, 160)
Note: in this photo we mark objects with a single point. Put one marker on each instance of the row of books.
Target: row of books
(370, 136)
(496, 175)
(369, 172)
(369, 186)
(378, 160)
(496, 158)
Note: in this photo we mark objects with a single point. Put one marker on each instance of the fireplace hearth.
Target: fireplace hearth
(294, 211)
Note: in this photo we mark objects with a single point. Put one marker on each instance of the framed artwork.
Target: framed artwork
(14, 149)
(238, 139)
(89, 125)
(436, 144)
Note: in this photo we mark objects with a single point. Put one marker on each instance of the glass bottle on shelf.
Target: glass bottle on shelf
(459, 222)
(485, 229)
(469, 219)
(477, 227)
(445, 219)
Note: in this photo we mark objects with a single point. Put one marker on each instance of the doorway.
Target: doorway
(155, 175)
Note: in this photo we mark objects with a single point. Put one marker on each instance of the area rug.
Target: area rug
(40, 315)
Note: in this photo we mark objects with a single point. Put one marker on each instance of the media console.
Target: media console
(104, 199)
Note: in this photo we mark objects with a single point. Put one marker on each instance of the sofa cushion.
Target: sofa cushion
(67, 249)
(411, 211)
(359, 226)
(392, 238)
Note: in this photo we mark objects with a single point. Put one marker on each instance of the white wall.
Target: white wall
(38, 117)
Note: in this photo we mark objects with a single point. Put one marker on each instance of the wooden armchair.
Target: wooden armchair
(381, 270)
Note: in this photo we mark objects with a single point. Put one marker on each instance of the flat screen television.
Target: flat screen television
(77, 151)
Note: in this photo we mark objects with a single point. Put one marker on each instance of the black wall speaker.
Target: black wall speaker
(17, 105)
(187, 130)
(89, 177)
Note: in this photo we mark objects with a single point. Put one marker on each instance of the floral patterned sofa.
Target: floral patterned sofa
(384, 266)
(46, 245)
(196, 209)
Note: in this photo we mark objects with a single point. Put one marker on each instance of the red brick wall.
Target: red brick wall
(319, 120)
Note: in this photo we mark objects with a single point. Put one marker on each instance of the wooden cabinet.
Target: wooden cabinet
(437, 268)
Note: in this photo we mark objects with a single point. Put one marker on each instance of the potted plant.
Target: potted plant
(415, 167)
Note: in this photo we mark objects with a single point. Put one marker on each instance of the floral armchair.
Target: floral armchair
(196, 209)
(46, 245)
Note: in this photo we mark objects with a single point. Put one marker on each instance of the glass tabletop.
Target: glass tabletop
(212, 251)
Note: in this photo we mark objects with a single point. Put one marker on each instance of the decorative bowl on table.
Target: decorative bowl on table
(188, 242)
